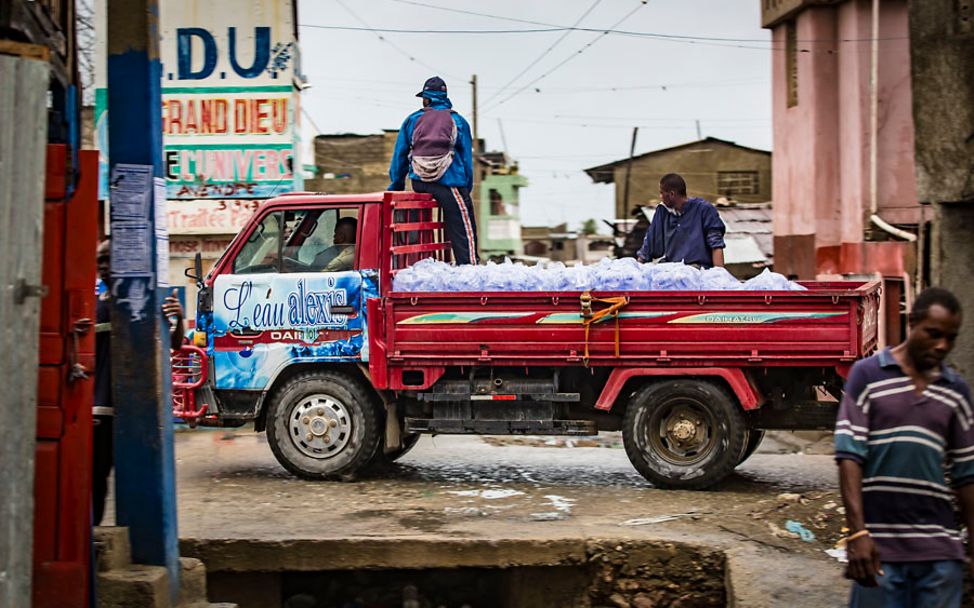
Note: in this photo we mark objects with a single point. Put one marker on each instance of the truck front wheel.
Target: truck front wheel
(683, 434)
(323, 425)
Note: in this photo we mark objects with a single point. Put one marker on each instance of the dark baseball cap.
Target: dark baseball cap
(433, 84)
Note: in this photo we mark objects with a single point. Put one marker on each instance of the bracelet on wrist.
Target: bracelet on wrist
(856, 535)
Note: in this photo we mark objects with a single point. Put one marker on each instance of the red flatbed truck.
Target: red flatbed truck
(344, 373)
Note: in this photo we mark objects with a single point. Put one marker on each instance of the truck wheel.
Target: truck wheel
(381, 460)
(408, 443)
(754, 437)
(683, 434)
(323, 425)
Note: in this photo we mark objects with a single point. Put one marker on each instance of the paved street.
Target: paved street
(486, 493)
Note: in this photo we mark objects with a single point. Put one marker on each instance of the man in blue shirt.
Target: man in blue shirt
(435, 149)
(687, 230)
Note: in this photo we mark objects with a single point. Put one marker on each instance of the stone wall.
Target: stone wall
(942, 53)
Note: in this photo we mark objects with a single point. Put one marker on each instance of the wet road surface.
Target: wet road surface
(470, 490)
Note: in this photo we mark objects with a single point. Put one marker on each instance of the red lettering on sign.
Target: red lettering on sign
(260, 111)
(174, 121)
(240, 116)
(279, 114)
(191, 126)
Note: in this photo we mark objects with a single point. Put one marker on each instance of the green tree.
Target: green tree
(590, 226)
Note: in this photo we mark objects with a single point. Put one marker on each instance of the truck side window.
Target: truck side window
(262, 251)
(323, 241)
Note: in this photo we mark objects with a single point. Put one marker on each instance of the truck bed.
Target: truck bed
(833, 323)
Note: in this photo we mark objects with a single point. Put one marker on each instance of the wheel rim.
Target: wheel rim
(320, 426)
(681, 431)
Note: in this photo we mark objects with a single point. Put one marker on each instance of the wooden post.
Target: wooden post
(625, 195)
(23, 141)
(145, 485)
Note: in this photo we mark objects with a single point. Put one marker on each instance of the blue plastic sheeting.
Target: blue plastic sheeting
(625, 274)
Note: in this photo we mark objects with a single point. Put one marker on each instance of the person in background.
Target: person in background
(905, 418)
(104, 411)
(687, 230)
(435, 149)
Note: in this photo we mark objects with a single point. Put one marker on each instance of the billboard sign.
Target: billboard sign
(229, 100)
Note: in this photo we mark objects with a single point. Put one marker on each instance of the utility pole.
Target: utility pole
(145, 488)
(625, 195)
(476, 134)
(699, 132)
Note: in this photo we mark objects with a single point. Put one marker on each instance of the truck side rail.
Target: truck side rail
(412, 230)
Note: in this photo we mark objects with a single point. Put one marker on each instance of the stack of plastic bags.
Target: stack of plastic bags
(608, 275)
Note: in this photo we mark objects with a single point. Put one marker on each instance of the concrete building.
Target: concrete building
(942, 70)
(559, 244)
(713, 168)
(844, 180)
(499, 206)
(350, 162)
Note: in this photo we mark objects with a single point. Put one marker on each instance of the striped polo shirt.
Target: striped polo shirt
(908, 445)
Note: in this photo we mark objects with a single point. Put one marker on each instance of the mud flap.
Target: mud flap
(393, 440)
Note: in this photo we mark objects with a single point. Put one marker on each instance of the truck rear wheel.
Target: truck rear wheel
(683, 434)
(754, 437)
(383, 460)
(323, 425)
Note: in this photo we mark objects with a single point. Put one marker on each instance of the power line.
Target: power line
(543, 54)
(587, 125)
(475, 13)
(570, 57)
(658, 119)
(382, 38)
(594, 30)
(396, 85)
(307, 115)
(644, 35)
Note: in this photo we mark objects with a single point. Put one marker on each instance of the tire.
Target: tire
(675, 408)
(314, 404)
(754, 437)
(408, 443)
(382, 460)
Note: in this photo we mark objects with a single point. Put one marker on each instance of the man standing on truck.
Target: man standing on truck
(683, 229)
(434, 148)
(905, 417)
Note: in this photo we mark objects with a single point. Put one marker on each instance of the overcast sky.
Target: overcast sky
(578, 115)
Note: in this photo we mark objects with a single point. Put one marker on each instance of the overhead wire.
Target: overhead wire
(396, 85)
(378, 34)
(715, 41)
(574, 55)
(474, 13)
(592, 30)
(543, 54)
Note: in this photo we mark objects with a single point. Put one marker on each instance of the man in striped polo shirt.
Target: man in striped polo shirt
(905, 425)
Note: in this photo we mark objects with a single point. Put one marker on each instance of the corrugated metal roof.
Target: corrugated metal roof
(743, 249)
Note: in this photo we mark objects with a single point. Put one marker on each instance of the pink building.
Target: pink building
(845, 194)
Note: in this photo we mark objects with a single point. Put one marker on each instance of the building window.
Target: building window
(496, 203)
(737, 183)
(791, 62)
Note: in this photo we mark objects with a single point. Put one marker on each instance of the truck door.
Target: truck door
(293, 294)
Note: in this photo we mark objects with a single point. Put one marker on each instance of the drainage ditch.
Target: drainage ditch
(605, 574)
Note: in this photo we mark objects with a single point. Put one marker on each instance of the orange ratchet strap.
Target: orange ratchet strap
(590, 318)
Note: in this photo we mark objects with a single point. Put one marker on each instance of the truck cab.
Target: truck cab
(284, 308)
